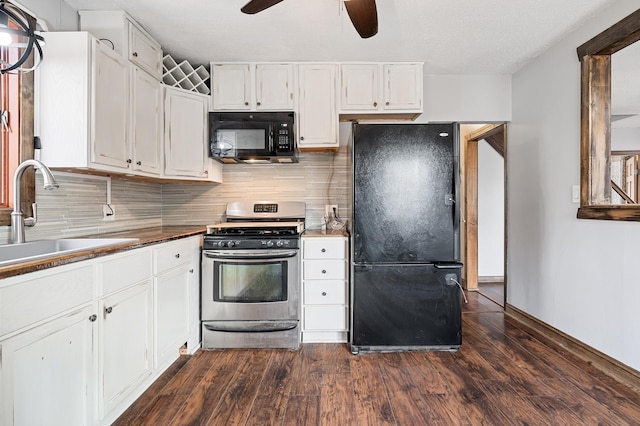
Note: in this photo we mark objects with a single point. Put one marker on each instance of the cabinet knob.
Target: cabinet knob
(93, 318)
(134, 54)
(324, 293)
(246, 103)
(323, 250)
(301, 138)
(177, 255)
(139, 163)
(387, 103)
(128, 160)
(108, 310)
(324, 271)
(258, 103)
(375, 104)
(191, 271)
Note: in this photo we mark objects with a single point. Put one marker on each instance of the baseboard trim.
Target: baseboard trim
(603, 362)
(491, 279)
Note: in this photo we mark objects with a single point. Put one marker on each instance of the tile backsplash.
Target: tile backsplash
(75, 209)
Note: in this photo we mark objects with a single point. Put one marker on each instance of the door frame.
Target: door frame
(470, 148)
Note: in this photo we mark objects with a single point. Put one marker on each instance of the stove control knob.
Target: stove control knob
(279, 243)
(231, 244)
(220, 243)
(269, 243)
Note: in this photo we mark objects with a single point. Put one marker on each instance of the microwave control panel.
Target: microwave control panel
(283, 138)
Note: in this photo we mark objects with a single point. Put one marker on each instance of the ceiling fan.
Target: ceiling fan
(363, 13)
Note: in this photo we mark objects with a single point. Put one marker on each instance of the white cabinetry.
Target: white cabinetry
(325, 312)
(76, 341)
(146, 105)
(392, 88)
(174, 271)
(248, 86)
(186, 136)
(318, 116)
(128, 38)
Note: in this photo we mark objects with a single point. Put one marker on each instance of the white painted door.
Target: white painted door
(274, 87)
(46, 373)
(125, 343)
(360, 87)
(185, 148)
(147, 113)
(110, 108)
(402, 86)
(231, 86)
(172, 313)
(318, 119)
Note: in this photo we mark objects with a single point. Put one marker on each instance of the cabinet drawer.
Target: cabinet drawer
(324, 269)
(325, 317)
(170, 255)
(324, 248)
(34, 299)
(125, 270)
(325, 292)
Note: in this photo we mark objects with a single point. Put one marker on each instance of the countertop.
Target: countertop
(146, 236)
(327, 233)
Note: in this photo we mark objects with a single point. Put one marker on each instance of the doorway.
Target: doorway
(479, 146)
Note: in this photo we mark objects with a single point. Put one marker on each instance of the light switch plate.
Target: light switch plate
(575, 194)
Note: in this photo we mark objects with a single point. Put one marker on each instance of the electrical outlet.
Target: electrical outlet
(328, 209)
(108, 212)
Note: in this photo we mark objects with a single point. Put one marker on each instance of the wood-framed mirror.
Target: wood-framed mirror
(596, 187)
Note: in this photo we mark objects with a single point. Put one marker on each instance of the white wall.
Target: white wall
(56, 14)
(579, 276)
(490, 211)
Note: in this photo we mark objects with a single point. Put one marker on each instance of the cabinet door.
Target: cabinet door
(360, 87)
(231, 86)
(46, 373)
(274, 87)
(185, 138)
(402, 86)
(171, 313)
(144, 51)
(318, 119)
(125, 343)
(146, 105)
(110, 108)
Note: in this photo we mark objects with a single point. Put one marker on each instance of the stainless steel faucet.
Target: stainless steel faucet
(18, 222)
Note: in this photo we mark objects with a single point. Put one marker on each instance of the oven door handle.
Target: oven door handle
(250, 254)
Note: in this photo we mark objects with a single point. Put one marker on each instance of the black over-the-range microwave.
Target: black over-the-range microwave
(252, 137)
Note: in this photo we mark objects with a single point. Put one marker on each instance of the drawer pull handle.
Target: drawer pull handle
(324, 271)
(93, 318)
(324, 250)
(324, 293)
(108, 310)
(178, 256)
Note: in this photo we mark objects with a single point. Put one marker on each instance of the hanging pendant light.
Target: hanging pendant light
(18, 31)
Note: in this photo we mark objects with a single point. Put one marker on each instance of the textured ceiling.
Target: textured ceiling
(450, 36)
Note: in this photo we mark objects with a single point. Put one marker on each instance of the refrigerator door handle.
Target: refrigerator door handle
(454, 265)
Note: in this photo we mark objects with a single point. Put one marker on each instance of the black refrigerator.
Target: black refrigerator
(405, 292)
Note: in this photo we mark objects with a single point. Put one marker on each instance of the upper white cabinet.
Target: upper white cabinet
(186, 135)
(381, 88)
(318, 116)
(128, 38)
(146, 129)
(252, 87)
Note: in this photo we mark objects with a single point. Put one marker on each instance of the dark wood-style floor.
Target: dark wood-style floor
(502, 375)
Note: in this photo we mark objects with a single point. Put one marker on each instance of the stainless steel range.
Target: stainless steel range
(251, 277)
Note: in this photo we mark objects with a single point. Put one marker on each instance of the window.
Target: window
(16, 136)
(595, 150)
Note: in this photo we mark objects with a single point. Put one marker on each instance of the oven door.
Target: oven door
(245, 285)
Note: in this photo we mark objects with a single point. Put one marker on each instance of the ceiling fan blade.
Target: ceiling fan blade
(364, 16)
(255, 6)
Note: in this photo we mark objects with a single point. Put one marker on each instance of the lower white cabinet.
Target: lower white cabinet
(46, 373)
(125, 343)
(325, 284)
(80, 342)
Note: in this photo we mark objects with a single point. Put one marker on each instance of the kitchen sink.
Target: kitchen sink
(25, 252)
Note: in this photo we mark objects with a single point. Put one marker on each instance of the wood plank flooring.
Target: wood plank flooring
(502, 375)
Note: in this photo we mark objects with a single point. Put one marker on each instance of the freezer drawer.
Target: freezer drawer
(406, 307)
